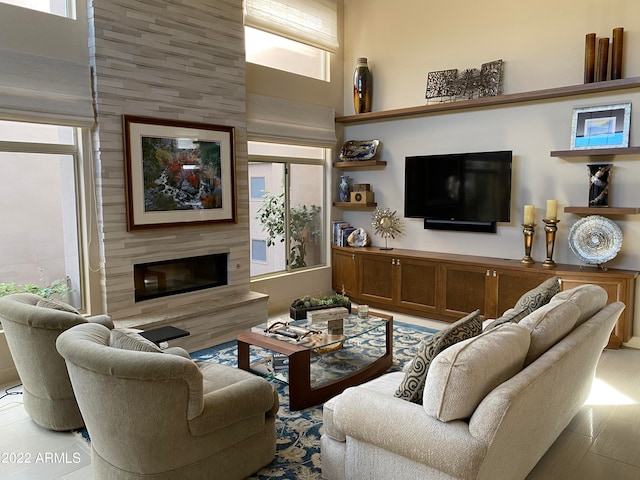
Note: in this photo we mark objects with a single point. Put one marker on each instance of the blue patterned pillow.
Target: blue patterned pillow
(539, 296)
(412, 386)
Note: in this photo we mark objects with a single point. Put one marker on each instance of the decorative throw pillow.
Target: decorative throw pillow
(510, 316)
(412, 386)
(462, 375)
(541, 295)
(129, 339)
(56, 305)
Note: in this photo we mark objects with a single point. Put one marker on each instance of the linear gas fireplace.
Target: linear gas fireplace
(170, 277)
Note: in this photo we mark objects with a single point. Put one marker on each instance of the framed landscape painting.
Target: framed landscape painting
(601, 127)
(178, 173)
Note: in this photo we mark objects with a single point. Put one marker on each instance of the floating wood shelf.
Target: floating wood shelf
(355, 206)
(511, 98)
(604, 211)
(360, 164)
(592, 152)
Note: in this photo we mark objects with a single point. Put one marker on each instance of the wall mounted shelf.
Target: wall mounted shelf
(604, 211)
(511, 98)
(360, 164)
(355, 206)
(595, 152)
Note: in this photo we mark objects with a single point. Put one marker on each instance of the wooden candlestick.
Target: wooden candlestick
(616, 54)
(589, 58)
(603, 60)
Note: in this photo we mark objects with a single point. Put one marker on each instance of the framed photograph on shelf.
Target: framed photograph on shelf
(178, 173)
(604, 126)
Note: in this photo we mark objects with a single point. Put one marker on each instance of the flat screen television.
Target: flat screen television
(459, 191)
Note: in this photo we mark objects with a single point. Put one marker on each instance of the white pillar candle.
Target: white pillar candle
(552, 210)
(529, 212)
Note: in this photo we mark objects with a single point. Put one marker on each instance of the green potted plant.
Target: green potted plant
(303, 226)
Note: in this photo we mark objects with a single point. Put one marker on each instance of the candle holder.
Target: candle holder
(528, 230)
(550, 229)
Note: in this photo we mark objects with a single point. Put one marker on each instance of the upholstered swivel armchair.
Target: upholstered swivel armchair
(31, 326)
(157, 415)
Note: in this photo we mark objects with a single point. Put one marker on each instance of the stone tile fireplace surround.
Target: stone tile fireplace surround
(184, 61)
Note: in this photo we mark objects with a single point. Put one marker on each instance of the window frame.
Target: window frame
(287, 161)
(81, 179)
(324, 61)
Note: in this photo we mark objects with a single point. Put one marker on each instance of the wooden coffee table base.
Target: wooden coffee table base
(301, 395)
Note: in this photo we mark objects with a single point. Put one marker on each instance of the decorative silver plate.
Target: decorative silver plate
(595, 239)
(358, 150)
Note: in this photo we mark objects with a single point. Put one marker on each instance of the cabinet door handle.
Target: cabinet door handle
(488, 274)
(398, 262)
(495, 274)
(353, 256)
(393, 261)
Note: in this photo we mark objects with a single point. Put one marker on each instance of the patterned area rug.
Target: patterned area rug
(298, 433)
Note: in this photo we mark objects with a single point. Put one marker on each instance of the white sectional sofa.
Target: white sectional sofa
(492, 406)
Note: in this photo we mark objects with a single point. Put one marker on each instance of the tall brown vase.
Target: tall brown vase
(589, 58)
(616, 53)
(362, 87)
(603, 60)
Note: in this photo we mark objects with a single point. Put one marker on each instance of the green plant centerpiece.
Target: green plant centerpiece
(300, 306)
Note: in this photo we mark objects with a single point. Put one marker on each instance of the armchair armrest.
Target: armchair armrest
(181, 352)
(230, 404)
(405, 429)
(102, 320)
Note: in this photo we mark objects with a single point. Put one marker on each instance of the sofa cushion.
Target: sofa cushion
(548, 325)
(462, 375)
(129, 339)
(589, 298)
(412, 384)
(56, 305)
(539, 296)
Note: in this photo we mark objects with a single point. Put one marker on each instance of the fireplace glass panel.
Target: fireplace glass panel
(170, 277)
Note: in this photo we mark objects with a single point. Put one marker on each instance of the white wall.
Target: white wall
(542, 45)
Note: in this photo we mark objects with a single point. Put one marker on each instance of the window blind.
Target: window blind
(312, 22)
(35, 88)
(276, 120)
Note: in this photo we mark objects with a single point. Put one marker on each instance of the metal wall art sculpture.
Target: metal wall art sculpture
(449, 85)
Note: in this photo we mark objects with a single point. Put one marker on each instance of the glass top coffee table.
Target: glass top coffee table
(300, 350)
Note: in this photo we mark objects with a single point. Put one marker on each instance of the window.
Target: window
(292, 35)
(62, 8)
(289, 218)
(258, 187)
(39, 206)
(258, 251)
(272, 51)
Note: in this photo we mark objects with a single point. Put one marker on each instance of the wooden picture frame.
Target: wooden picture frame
(605, 126)
(178, 173)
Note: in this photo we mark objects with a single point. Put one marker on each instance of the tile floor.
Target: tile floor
(602, 441)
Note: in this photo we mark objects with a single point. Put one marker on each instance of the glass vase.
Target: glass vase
(362, 87)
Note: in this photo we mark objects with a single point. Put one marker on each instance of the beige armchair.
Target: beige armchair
(31, 326)
(158, 415)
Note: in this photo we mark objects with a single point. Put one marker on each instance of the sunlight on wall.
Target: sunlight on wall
(604, 394)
